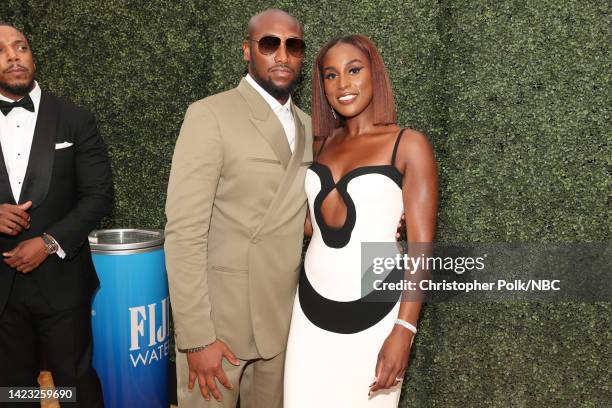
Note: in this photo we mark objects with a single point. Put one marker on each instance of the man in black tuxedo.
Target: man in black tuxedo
(55, 186)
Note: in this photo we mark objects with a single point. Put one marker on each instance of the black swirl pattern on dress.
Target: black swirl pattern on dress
(338, 237)
(351, 316)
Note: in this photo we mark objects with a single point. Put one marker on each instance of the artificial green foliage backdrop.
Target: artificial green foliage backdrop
(515, 96)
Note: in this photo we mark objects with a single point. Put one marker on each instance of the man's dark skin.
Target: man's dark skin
(277, 73)
(17, 70)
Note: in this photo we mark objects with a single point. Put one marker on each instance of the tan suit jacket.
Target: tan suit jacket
(236, 208)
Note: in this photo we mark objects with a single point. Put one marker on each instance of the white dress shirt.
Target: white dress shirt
(282, 112)
(16, 135)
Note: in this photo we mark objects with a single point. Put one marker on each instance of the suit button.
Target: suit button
(255, 240)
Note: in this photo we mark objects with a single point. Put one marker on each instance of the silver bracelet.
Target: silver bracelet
(407, 325)
(193, 350)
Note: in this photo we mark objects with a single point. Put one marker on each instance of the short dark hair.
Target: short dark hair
(6, 24)
(323, 121)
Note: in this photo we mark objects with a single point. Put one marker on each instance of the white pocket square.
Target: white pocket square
(62, 145)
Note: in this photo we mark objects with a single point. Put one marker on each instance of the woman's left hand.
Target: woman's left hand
(392, 359)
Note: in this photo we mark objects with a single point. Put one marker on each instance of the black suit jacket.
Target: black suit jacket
(71, 190)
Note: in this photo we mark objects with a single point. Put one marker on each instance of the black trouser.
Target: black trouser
(29, 327)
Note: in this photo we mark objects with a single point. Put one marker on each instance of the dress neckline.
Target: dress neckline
(395, 174)
(338, 237)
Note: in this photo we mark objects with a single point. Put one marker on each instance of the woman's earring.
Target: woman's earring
(334, 114)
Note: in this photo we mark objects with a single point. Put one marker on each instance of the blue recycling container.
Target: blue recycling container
(130, 317)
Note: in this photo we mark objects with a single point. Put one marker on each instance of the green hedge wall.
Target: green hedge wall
(514, 95)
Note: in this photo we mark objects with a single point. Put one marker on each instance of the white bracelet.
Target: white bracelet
(407, 325)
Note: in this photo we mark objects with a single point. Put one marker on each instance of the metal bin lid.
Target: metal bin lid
(125, 239)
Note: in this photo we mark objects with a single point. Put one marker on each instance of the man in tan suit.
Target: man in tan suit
(236, 208)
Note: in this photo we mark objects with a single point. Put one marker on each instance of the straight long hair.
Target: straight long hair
(323, 121)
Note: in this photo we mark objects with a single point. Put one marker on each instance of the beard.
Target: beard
(278, 92)
(21, 89)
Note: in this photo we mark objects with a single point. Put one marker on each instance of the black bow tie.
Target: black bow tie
(25, 103)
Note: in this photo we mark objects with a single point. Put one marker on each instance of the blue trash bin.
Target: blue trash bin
(130, 317)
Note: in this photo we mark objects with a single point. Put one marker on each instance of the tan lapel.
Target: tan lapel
(290, 172)
(266, 122)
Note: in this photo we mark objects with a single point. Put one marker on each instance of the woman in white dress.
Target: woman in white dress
(346, 350)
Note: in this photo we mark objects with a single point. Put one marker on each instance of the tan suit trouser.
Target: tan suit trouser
(259, 383)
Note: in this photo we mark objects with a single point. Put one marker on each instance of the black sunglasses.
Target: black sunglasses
(270, 44)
